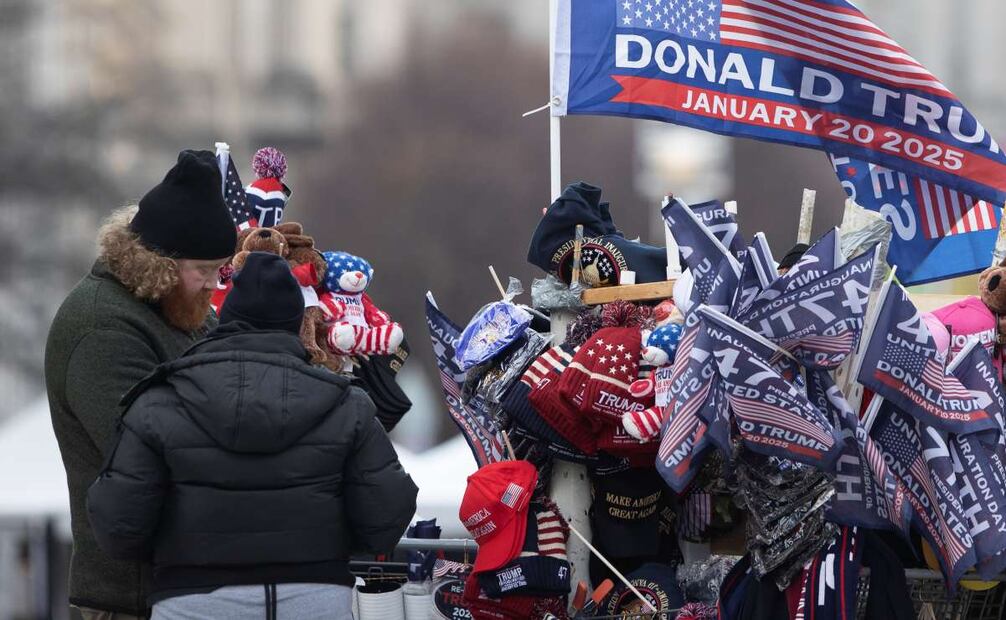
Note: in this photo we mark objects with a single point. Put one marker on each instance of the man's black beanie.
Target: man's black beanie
(185, 215)
(265, 294)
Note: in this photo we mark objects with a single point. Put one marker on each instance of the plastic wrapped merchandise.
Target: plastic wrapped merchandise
(491, 379)
(700, 581)
(861, 228)
(551, 293)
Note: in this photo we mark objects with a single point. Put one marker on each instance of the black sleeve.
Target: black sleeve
(380, 496)
(124, 503)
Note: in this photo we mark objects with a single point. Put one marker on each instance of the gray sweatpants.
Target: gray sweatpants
(307, 601)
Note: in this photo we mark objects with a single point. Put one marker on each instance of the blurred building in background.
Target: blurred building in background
(402, 123)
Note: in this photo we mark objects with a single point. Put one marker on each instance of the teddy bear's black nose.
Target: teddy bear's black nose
(994, 282)
(268, 233)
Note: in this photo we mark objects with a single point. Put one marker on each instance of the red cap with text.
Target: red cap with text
(494, 510)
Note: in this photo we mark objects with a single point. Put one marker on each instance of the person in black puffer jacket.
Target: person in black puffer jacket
(239, 467)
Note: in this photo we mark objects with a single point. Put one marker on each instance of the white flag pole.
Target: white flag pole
(223, 158)
(673, 258)
(554, 136)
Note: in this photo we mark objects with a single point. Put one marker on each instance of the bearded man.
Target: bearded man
(146, 300)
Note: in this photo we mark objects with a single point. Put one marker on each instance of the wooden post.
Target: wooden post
(806, 216)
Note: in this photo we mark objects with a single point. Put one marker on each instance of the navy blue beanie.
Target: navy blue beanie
(265, 295)
(604, 247)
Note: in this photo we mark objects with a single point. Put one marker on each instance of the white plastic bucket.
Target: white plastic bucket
(381, 600)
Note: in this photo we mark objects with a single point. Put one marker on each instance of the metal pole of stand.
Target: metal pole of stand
(570, 486)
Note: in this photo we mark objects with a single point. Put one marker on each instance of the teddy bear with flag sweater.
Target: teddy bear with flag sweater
(358, 326)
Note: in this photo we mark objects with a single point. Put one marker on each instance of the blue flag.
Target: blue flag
(938, 232)
(902, 364)
(773, 417)
(820, 322)
(479, 429)
(980, 461)
(906, 446)
(700, 249)
(721, 223)
(683, 436)
(824, 256)
(758, 271)
(866, 493)
(811, 73)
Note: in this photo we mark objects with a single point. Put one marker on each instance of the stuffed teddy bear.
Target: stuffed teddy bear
(259, 240)
(982, 317)
(358, 327)
(308, 266)
(659, 351)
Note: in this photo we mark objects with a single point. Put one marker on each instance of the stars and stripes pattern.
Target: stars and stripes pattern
(900, 363)
(512, 494)
(237, 200)
(945, 212)
(831, 33)
(900, 437)
(477, 426)
(551, 535)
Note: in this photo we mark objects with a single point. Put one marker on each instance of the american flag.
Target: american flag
(945, 212)
(512, 494)
(928, 367)
(237, 200)
(832, 33)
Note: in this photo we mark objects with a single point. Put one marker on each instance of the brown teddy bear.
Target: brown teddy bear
(259, 240)
(287, 240)
(308, 265)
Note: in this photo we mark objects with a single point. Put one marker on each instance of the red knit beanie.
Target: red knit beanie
(603, 369)
(553, 409)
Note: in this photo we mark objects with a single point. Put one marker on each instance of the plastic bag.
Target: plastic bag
(492, 329)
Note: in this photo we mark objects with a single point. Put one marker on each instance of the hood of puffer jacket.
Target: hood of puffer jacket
(252, 391)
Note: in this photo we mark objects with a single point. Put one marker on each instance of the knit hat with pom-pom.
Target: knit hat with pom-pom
(268, 195)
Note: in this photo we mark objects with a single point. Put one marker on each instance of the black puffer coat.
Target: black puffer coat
(239, 463)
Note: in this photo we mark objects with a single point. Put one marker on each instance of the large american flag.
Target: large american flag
(832, 33)
(944, 212)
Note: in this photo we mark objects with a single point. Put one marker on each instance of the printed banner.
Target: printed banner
(866, 493)
(811, 73)
(479, 429)
(937, 232)
(901, 363)
(820, 322)
(910, 451)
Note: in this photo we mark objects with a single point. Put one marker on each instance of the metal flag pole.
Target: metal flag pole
(554, 135)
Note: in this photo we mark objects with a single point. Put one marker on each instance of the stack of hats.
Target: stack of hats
(575, 398)
(625, 518)
(521, 570)
(605, 251)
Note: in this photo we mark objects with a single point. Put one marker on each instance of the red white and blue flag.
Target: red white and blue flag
(820, 322)
(866, 493)
(773, 417)
(914, 455)
(938, 232)
(478, 427)
(811, 73)
(235, 197)
(901, 363)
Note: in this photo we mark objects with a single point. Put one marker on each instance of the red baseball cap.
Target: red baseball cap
(494, 510)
